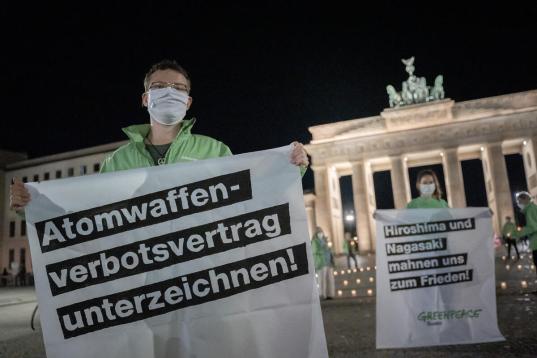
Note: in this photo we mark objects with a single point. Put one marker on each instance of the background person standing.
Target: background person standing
(349, 248)
(323, 261)
(507, 234)
(529, 209)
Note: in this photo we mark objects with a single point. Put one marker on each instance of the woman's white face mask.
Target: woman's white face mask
(427, 189)
(167, 106)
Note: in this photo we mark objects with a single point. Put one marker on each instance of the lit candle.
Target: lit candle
(361, 269)
(339, 293)
(342, 272)
(371, 279)
(358, 281)
(503, 258)
(349, 271)
(503, 285)
(375, 267)
(370, 292)
(353, 292)
(345, 283)
(507, 267)
(524, 284)
(368, 268)
(354, 270)
(335, 273)
(532, 267)
(519, 267)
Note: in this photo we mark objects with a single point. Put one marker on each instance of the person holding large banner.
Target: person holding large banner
(176, 254)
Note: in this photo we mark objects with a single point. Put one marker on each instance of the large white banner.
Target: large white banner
(201, 259)
(435, 278)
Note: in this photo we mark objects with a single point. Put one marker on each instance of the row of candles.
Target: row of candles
(519, 267)
(361, 269)
(358, 281)
(523, 284)
(530, 256)
(369, 292)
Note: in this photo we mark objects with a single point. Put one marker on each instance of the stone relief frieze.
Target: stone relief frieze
(452, 134)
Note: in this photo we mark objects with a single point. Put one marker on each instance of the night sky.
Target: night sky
(261, 76)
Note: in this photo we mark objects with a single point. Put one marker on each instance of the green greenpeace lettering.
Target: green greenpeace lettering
(427, 316)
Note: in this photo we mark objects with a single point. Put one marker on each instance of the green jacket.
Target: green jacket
(530, 230)
(318, 251)
(185, 147)
(508, 229)
(427, 203)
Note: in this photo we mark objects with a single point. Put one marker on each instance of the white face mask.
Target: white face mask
(427, 189)
(167, 105)
(521, 206)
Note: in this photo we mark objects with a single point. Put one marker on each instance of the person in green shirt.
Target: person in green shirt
(430, 192)
(323, 262)
(507, 234)
(529, 209)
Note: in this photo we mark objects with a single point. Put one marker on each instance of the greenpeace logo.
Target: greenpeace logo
(433, 318)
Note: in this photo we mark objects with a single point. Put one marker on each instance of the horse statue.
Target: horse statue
(437, 92)
(394, 97)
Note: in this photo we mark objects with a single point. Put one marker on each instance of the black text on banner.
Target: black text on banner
(162, 251)
(144, 210)
(183, 291)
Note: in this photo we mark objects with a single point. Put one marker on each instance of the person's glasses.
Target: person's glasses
(177, 86)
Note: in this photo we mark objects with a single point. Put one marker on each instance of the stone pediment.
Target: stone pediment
(418, 115)
(495, 106)
(350, 128)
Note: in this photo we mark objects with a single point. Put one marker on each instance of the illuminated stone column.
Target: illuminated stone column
(361, 207)
(529, 153)
(322, 199)
(454, 180)
(328, 210)
(400, 188)
(497, 184)
(309, 203)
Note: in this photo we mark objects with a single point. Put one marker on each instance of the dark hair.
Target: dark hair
(438, 190)
(166, 65)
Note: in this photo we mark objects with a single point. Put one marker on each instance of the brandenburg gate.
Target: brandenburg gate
(421, 128)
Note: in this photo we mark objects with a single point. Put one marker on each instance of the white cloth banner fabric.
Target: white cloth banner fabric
(201, 259)
(435, 278)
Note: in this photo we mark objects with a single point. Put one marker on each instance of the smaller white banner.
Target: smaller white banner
(435, 278)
